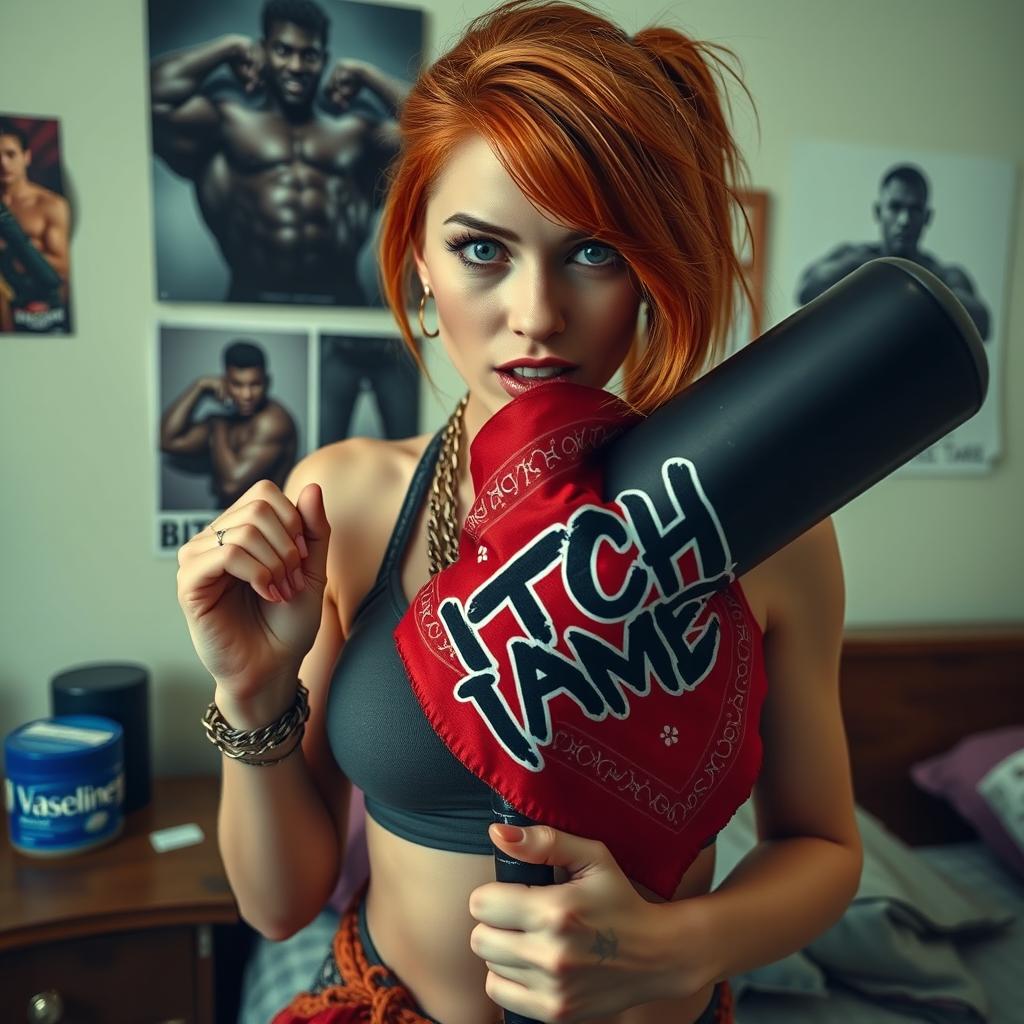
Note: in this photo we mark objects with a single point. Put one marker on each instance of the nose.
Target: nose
(536, 308)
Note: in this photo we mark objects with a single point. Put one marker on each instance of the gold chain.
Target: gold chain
(443, 521)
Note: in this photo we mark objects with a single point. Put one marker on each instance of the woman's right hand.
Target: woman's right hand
(253, 604)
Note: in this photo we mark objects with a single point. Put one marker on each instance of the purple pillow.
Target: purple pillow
(983, 778)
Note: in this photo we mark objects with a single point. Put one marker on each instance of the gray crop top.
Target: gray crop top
(414, 785)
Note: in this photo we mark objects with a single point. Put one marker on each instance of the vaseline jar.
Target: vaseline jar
(64, 784)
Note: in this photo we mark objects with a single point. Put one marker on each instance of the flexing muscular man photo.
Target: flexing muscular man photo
(903, 214)
(255, 439)
(287, 175)
(34, 227)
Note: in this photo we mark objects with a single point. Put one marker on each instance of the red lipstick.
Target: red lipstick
(516, 384)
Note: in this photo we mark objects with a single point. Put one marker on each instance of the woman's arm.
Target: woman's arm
(803, 873)
(595, 946)
(282, 828)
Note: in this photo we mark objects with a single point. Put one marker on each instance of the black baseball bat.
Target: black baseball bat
(804, 419)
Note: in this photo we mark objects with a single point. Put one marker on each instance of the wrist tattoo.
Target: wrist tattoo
(605, 946)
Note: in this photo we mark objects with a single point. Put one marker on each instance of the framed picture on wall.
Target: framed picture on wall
(369, 386)
(950, 213)
(273, 123)
(35, 228)
(751, 246)
(232, 408)
(752, 254)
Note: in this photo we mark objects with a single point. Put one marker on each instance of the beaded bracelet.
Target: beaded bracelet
(248, 747)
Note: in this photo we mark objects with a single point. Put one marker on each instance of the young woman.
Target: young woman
(564, 196)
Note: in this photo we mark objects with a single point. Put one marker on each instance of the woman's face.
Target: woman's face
(514, 288)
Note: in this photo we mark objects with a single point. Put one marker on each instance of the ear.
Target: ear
(878, 212)
(421, 265)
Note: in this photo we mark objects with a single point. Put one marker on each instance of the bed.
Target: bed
(936, 902)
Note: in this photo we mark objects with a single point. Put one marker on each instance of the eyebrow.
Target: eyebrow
(469, 221)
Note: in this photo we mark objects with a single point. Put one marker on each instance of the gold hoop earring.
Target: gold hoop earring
(423, 309)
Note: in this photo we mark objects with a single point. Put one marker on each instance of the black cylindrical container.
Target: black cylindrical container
(805, 419)
(119, 691)
(508, 869)
(813, 413)
(801, 421)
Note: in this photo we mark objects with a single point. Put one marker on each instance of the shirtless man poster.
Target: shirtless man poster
(272, 125)
(952, 214)
(233, 410)
(34, 229)
(903, 213)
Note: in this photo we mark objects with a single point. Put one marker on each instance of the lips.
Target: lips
(515, 385)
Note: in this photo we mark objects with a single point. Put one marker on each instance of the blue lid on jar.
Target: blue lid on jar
(51, 748)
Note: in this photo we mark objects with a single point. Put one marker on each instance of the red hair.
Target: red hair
(622, 138)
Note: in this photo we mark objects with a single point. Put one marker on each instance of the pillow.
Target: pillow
(983, 778)
(898, 967)
(912, 892)
(893, 943)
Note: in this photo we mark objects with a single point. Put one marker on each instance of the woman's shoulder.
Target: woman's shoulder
(802, 578)
(357, 472)
(364, 482)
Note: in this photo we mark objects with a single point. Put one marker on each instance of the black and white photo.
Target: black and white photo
(949, 213)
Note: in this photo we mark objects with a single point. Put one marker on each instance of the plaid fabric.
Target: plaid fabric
(277, 971)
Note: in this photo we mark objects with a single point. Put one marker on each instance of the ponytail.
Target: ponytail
(697, 77)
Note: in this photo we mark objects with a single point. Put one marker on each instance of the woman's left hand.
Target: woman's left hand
(570, 951)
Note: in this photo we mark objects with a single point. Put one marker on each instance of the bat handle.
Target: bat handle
(508, 869)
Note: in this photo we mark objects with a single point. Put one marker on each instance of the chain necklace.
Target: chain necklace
(443, 522)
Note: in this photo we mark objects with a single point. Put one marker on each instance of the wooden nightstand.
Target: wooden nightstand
(122, 934)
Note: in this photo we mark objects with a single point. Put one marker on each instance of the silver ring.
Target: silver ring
(220, 536)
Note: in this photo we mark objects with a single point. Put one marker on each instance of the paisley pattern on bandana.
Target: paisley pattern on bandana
(594, 661)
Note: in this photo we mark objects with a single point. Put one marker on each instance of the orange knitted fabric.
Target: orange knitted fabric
(724, 1011)
(363, 998)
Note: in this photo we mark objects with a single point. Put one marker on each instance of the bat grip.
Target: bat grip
(508, 869)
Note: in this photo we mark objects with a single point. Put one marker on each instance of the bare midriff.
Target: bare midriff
(418, 918)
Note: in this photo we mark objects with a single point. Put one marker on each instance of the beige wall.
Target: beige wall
(80, 582)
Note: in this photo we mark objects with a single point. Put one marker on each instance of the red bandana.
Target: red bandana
(592, 661)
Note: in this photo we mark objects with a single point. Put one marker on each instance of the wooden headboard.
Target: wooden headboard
(911, 693)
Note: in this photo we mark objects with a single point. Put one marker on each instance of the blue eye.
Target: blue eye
(483, 252)
(590, 248)
(476, 252)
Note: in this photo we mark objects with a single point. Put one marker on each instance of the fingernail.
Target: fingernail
(275, 594)
(300, 543)
(286, 589)
(298, 581)
(511, 833)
